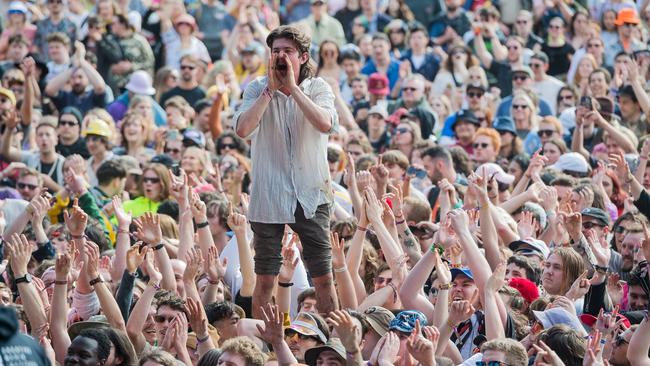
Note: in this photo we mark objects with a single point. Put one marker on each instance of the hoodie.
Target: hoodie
(17, 348)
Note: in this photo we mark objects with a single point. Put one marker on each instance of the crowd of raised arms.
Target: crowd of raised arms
(324, 182)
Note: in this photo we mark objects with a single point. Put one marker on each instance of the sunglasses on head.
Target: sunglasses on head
(31, 187)
(542, 133)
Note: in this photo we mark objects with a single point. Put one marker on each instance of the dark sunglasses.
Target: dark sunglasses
(161, 319)
(290, 333)
(593, 45)
(565, 97)
(31, 187)
(542, 133)
(474, 95)
(491, 363)
(183, 67)
(402, 130)
(381, 280)
(519, 106)
(408, 88)
(67, 123)
(172, 151)
(520, 77)
(513, 47)
(483, 145)
(503, 132)
(620, 229)
(555, 26)
(522, 21)
(55, 1)
(229, 146)
(589, 225)
(151, 180)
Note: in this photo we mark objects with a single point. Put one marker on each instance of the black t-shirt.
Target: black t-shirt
(502, 72)
(559, 58)
(50, 167)
(190, 95)
(78, 147)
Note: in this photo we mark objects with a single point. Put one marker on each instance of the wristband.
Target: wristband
(268, 93)
(444, 286)
(437, 247)
(201, 225)
(285, 284)
(155, 285)
(95, 281)
(600, 269)
(455, 265)
(159, 246)
(340, 270)
(77, 236)
(62, 282)
(361, 228)
(120, 231)
(202, 340)
(399, 222)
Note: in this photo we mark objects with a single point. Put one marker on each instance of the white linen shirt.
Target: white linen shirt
(289, 155)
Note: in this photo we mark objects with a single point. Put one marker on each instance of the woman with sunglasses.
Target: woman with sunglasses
(329, 62)
(487, 144)
(406, 136)
(155, 185)
(567, 98)
(524, 114)
(559, 51)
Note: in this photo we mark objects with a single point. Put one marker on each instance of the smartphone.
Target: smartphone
(416, 172)
(587, 102)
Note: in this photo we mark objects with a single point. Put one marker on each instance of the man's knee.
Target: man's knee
(264, 284)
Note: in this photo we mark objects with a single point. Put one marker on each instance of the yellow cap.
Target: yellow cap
(9, 94)
(97, 127)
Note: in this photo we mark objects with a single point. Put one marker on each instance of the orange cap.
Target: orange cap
(627, 15)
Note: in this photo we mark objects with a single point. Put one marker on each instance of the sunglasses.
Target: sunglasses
(620, 229)
(555, 26)
(513, 47)
(593, 45)
(519, 106)
(290, 333)
(172, 151)
(31, 187)
(408, 88)
(520, 77)
(151, 180)
(491, 363)
(402, 130)
(565, 97)
(536, 66)
(381, 280)
(474, 95)
(188, 67)
(228, 146)
(522, 21)
(542, 133)
(161, 319)
(55, 1)
(67, 123)
(483, 145)
(503, 132)
(588, 225)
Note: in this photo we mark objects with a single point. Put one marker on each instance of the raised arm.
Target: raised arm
(199, 322)
(637, 351)
(255, 103)
(273, 333)
(20, 252)
(488, 229)
(58, 82)
(494, 328)
(8, 152)
(643, 161)
(237, 222)
(59, 310)
(193, 260)
(95, 79)
(216, 127)
(481, 51)
(410, 244)
(150, 233)
(140, 312)
(123, 241)
(106, 299)
(344, 285)
(28, 65)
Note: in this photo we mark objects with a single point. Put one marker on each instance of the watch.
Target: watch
(26, 279)
(97, 280)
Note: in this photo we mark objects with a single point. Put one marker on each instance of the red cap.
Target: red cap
(396, 117)
(589, 320)
(526, 288)
(378, 84)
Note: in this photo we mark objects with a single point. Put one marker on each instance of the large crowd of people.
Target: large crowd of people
(324, 182)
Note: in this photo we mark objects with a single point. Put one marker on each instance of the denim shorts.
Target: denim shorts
(314, 238)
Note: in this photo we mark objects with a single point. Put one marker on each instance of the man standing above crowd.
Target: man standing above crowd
(294, 187)
(56, 22)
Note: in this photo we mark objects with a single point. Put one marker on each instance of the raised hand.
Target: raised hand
(20, 252)
(548, 199)
(75, 220)
(149, 229)
(388, 352)
(236, 221)
(39, 207)
(62, 266)
(579, 288)
(338, 254)
(459, 311)
(421, 348)
(364, 180)
(28, 65)
(197, 318)
(193, 258)
(615, 288)
(594, 352)
(92, 259)
(75, 182)
(272, 332)
(150, 267)
(273, 82)
(213, 267)
(346, 329)
(198, 208)
(374, 208)
(289, 260)
(497, 279)
(379, 172)
(179, 189)
(546, 356)
(135, 256)
(526, 225)
(645, 244)
(620, 165)
(397, 198)
(599, 247)
(442, 270)
(459, 220)
(350, 176)
(123, 218)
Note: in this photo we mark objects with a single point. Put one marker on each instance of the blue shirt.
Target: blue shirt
(392, 72)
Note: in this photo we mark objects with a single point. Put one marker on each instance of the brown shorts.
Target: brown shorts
(314, 238)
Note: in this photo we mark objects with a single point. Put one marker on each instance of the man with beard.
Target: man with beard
(188, 85)
(82, 74)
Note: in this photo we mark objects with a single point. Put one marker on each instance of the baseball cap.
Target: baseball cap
(130, 164)
(533, 244)
(589, 320)
(17, 7)
(396, 117)
(555, 316)
(376, 109)
(9, 94)
(405, 321)
(379, 319)
(526, 288)
(163, 159)
(467, 116)
(254, 47)
(306, 324)
(504, 124)
(378, 84)
(573, 162)
(461, 271)
(185, 19)
(596, 213)
(193, 137)
(334, 344)
(522, 69)
(498, 172)
(475, 86)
